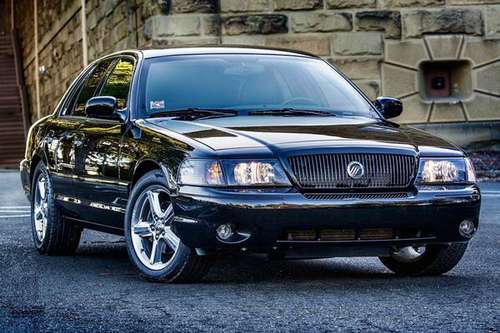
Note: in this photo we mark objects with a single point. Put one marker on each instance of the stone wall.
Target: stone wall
(380, 44)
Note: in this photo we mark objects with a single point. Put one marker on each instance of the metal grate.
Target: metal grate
(356, 196)
(329, 171)
(363, 234)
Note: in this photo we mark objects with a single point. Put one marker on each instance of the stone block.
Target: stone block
(492, 21)
(481, 51)
(211, 25)
(255, 24)
(447, 112)
(472, 2)
(419, 22)
(321, 22)
(407, 53)
(488, 79)
(359, 69)
(413, 3)
(341, 4)
(483, 107)
(370, 88)
(173, 25)
(183, 41)
(151, 8)
(237, 6)
(313, 44)
(414, 111)
(244, 40)
(444, 46)
(357, 43)
(388, 21)
(398, 81)
(194, 6)
(297, 4)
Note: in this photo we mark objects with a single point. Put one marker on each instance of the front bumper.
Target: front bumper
(264, 219)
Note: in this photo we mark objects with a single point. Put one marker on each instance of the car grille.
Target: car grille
(329, 171)
(364, 234)
(356, 196)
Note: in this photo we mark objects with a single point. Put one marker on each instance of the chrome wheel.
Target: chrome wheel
(409, 253)
(154, 243)
(40, 207)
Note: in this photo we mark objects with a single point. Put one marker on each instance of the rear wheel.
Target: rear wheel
(51, 234)
(425, 260)
(153, 247)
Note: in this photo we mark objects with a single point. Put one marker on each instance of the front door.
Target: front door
(65, 138)
(98, 182)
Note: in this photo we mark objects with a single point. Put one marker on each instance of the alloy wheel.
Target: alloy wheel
(154, 242)
(40, 207)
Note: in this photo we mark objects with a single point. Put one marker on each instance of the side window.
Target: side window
(88, 89)
(118, 82)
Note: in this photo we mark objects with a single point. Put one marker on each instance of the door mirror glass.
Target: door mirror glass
(102, 107)
(389, 107)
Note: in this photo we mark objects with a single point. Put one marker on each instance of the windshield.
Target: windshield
(247, 85)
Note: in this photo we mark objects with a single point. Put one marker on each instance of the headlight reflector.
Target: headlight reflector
(445, 171)
(201, 172)
(232, 173)
(251, 173)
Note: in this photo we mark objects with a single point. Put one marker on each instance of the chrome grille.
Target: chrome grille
(329, 171)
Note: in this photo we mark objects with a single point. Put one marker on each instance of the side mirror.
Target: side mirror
(103, 107)
(389, 107)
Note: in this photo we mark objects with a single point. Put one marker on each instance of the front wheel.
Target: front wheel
(425, 260)
(154, 249)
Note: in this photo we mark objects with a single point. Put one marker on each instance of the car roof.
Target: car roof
(219, 49)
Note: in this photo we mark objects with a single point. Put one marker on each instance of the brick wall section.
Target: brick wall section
(372, 41)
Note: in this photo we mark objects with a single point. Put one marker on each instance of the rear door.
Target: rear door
(98, 183)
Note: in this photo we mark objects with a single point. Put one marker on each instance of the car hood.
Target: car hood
(291, 133)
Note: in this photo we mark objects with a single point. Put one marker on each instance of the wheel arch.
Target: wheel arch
(35, 160)
(148, 165)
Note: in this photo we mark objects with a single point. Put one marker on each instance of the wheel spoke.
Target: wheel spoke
(42, 187)
(154, 203)
(171, 239)
(169, 214)
(155, 252)
(142, 229)
(38, 212)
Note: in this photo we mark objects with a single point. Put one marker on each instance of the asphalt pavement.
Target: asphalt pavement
(98, 290)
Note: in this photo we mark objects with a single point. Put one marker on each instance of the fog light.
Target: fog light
(467, 228)
(224, 231)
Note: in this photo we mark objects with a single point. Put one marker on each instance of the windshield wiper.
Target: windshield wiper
(291, 112)
(195, 113)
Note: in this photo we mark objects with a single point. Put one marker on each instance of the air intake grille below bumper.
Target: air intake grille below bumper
(330, 171)
(356, 196)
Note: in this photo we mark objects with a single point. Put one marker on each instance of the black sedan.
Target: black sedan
(195, 152)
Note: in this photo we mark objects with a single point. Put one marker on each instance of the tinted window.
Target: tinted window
(88, 88)
(247, 83)
(118, 82)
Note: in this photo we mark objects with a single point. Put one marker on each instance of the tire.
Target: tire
(53, 236)
(142, 228)
(436, 260)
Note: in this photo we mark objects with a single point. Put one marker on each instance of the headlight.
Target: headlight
(232, 173)
(445, 171)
